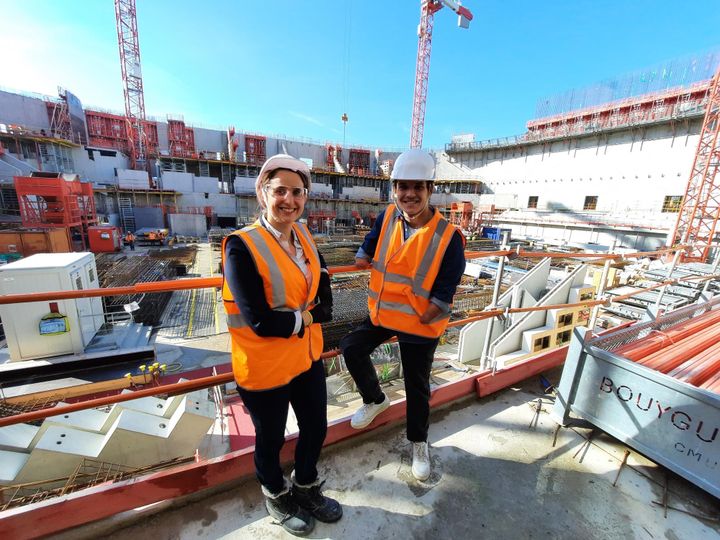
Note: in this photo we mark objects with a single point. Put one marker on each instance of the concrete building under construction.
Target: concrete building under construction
(591, 244)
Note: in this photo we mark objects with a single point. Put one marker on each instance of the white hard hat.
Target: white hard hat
(414, 164)
(282, 161)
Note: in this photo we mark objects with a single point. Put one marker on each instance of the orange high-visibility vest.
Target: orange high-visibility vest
(403, 274)
(261, 363)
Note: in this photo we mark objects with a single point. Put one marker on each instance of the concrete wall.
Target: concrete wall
(163, 141)
(177, 181)
(148, 217)
(629, 171)
(188, 224)
(26, 111)
(243, 184)
(206, 184)
(210, 140)
(223, 205)
(130, 179)
(99, 169)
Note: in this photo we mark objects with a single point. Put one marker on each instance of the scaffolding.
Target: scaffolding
(672, 104)
(181, 139)
(255, 149)
(54, 200)
(106, 130)
(359, 162)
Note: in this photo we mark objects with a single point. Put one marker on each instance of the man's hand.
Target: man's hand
(307, 318)
(431, 312)
(362, 263)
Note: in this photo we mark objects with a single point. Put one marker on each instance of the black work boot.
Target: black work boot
(286, 510)
(311, 499)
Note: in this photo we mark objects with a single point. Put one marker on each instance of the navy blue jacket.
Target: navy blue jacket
(247, 289)
(451, 267)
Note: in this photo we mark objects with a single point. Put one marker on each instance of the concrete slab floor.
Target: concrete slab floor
(495, 474)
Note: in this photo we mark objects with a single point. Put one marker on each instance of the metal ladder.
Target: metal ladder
(48, 157)
(127, 215)
(204, 168)
(226, 174)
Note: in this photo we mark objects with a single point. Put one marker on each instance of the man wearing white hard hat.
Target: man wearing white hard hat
(416, 260)
(276, 291)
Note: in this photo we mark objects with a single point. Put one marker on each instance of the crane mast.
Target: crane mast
(696, 224)
(428, 8)
(129, 44)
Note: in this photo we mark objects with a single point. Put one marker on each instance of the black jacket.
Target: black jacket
(247, 289)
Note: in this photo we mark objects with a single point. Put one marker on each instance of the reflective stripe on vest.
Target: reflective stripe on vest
(424, 266)
(404, 308)
(403, 272)
(264, 362)
(276, 277)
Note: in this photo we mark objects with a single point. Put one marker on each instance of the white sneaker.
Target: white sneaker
(364, 416)
(421, 461)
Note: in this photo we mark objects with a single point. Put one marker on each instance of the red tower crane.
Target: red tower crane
(428, 8)
(697, 220)
(129, 44)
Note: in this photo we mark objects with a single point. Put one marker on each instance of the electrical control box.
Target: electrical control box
(53, 327)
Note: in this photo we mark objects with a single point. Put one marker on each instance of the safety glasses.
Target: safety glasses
(280, 192)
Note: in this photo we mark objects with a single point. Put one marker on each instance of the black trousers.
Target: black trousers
(416, 361)
(269, 410)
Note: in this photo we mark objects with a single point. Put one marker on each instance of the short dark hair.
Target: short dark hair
(428, 183)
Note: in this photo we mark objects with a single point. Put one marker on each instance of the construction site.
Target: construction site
(575, 392)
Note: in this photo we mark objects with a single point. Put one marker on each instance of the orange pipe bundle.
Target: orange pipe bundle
(657, 340)
(699, 368)
(668, 358)
(713, 383)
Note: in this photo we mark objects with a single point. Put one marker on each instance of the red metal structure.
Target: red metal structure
(59, 118)
(107, 130)
(359, 162)
(232, 143)
(129, 44)
(181, 139)
(50, 200)
(698, 216)
(428, 8)
(332, 152)
(461, 214)
(674, 103)
(316, 218)
(255, 149)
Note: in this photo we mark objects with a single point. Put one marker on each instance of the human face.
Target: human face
(411, 197)
(284, 209)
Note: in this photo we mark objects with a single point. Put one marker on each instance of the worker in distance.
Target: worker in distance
(276, 292)
(416, 260)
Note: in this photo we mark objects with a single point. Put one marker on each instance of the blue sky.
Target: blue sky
(293, 67)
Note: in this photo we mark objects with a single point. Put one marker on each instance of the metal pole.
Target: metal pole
(714, 270)
(496, 295)
(600, 292)
(675, 260)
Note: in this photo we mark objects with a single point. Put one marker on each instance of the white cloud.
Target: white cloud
(306, 118)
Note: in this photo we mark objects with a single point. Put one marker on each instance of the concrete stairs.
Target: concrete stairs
(135, 433)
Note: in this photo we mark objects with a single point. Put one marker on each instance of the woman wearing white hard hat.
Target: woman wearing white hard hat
(276, 291)
(416, 260)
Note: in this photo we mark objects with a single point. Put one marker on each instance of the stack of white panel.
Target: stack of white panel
(135, 433)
